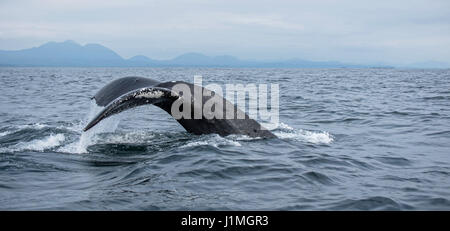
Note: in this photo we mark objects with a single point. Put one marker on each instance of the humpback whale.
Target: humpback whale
(129, 92)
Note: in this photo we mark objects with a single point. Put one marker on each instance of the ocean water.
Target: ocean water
(348, 139)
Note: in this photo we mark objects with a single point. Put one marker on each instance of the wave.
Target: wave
(104, 133)
(5, 133)
(285, 131)
(214, 141)
(69, 138)
(74, 127)
(39, 145)
(33, 126)
(371, 203)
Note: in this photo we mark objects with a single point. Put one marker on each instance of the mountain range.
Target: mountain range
(72, 54)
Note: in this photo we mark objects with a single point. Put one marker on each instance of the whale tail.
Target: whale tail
(142, 96)
(129, 92)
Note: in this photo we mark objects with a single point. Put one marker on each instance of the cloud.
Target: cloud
(347, 30)
(258, 20)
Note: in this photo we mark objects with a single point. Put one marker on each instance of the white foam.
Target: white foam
(242, 137)
(78, 147)
(75, 126)
(48, 142)
(5, 133)
(214, 141)
(36, 126)
(282, 125)
(285, 131)
(129, 137)
(33, 126)
(308, 136)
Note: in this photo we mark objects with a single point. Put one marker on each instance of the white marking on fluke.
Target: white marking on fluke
(151, 95)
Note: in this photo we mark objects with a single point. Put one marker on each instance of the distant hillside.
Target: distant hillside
(72, 54)
(67, 53)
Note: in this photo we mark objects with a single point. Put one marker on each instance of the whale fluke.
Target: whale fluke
(129, 92)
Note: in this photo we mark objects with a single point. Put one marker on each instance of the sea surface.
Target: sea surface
(348, 139)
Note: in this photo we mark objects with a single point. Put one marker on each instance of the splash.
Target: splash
(74, 126)
(285, 131)
(90, 137)
(308, 136)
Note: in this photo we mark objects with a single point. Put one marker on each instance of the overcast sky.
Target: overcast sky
(351, 31)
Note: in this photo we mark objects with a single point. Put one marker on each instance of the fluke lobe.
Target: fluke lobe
(129, 92)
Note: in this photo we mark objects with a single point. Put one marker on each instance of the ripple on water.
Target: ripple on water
(343, 145)
(396, 161)
(317, 177)
(370, 203)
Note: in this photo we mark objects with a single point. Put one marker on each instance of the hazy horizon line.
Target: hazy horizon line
(376, 64)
